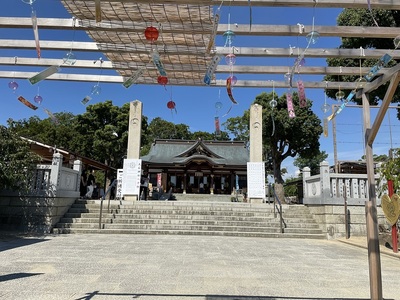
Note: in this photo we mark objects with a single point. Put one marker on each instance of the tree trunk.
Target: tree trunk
(280, 193)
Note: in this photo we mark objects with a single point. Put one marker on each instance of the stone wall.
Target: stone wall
(331, 219)
(32, 213)
(54, 190)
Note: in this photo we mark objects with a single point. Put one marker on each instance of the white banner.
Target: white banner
(256, 179)
(131, 176)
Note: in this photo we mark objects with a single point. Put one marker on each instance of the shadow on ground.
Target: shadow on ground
(206, 297)
(10, 240)
(17, 276)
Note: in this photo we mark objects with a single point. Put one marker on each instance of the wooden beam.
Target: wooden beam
(370, 86)
(241, 29)
(394, 83)
(384, 4)
(172, 50)
(324, 31)
(237, 69)
(216, 83)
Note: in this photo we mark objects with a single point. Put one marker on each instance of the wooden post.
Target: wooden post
(374, 258)
(346, 215)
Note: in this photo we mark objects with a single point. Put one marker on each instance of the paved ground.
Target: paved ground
(188, 267)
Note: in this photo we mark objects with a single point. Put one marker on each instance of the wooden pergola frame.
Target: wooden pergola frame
(194, 63)
(178, 72)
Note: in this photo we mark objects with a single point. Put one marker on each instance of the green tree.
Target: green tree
(103, 132)
(362, 17)
(17, 161)
(162, 129)
(390, 170)
(311, 162)
(283, 137)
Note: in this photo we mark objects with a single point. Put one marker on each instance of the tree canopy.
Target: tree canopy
(363, 17)
(101, 133)
(17, 161)
(283, 137)
(311, 162)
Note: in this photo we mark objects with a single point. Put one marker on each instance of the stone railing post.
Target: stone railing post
(55, 174)
(306, 174)
(325, 180)
(78, 167)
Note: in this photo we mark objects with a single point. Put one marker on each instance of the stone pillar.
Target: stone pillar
(325, 180)
(306, 174)
(134, 136)
(55, 174)
(135, 129)
(78, 167)
(256, 133)
(256, 146)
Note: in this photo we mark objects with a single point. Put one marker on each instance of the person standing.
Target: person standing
(91, 181)
(83, 184)
(144, 186)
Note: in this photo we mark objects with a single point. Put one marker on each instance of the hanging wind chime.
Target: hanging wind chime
(325, 108)
(96, 89)
(273, 103)
(218, 106)
(171, 104)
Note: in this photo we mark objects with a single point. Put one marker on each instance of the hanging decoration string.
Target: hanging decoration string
(273, 103)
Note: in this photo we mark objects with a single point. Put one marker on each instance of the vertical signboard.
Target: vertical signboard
(118, 194)
(131, 176)
(256, 179)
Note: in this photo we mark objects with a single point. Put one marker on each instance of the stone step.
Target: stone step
(188, 217)
(243, 222)
(190, 232)
(192, 226)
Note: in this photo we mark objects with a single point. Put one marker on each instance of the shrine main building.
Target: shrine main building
(197, 166)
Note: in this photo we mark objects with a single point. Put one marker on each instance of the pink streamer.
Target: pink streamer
(289, 101)
(302, 94)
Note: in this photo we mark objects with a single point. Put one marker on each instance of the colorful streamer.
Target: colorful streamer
(302, 95)
(325, 127)
(44, 74)
(383, 61)
(213, 32)
(157, 62)
(217, 126)
(35, 32)
(337, 111)
(290, 108)
(211, 69)
(86, 100)
(229, 89)
(52, 116)
(27, 103)
(135, 76)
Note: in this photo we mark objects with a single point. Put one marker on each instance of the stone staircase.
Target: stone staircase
(189, 218)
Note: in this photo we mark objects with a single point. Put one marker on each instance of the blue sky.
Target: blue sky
(195, 105)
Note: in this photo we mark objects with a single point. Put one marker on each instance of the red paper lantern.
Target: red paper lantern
(162, 80)
(171, 104)
(151, 34)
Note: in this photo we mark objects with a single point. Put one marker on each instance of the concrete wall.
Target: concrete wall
(32, 213)
(331, 219)
(54, 190)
